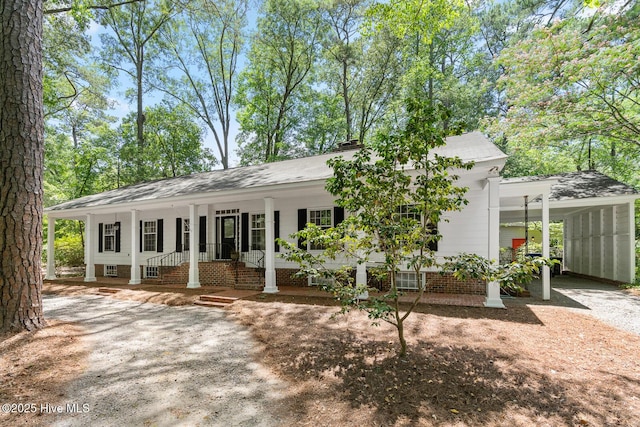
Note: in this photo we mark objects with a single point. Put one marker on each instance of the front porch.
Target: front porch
(294, 294)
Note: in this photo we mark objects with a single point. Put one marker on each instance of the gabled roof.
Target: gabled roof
(580, 185)
(469, 147)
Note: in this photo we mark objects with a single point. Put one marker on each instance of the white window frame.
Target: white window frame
(151, 272)
(186, 231)
(318, 221)
(408, 280)
(145, 234)
(109, 238)
(406, 211)
(254, 226)
(318, 281)
(111, 270)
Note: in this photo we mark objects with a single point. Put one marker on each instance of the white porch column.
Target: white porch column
(361, 278)
(270, 285)
(135, 249)
(89, 259)
(546, 272)
(194, 247)
(493, 288)
(51, 256)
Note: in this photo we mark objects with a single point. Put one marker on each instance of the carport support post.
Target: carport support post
(493, 288)
(135, 249)
(194, 233)
(51, 260)
(90, 269)
(270, 285)
(546, 273)
(632, 242)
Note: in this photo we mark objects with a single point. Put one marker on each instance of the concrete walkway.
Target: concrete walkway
(601, 300)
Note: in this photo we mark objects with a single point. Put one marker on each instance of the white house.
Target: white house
(147, 230)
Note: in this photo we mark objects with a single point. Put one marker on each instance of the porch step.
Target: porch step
(210, 304)
(214, 301)
(108, 290)
(218, 298)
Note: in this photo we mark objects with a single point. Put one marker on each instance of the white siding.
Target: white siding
(598, 242)
(467, 230)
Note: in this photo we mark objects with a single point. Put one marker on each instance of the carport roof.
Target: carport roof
(580, 185)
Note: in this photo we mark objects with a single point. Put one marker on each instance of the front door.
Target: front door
(228, 233)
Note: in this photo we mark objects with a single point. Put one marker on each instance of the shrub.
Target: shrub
(69, 251)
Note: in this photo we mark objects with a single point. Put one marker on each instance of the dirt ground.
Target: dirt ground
(527, 365)
(35, 369)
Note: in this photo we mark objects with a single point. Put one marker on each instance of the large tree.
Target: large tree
(573, 89)
(284, 50)
(360, 68)
(201, 51)
(130, 45)
(21, 157)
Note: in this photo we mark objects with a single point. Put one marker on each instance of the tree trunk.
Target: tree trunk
(140, 119)
(403, 342)
(21, 157)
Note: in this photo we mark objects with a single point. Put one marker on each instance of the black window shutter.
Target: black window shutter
(244, 224)
(178, 234)
(338, 215)
(141, 236)
(433, 245)
(100, 236)
(302, 223)
(118, 235)
(276, 228)
(160, 243)
(202, 234)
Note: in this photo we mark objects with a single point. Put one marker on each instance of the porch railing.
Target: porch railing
(207, 252)
(172, 259)
(255, 258)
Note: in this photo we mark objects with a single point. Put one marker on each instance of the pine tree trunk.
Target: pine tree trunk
(21, 159)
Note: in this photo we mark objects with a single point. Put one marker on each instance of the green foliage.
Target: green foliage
(512, 277)
(278, 77)
(574, 98)
(396, 191)
(69, 251)
(201, 47)
(173, 146)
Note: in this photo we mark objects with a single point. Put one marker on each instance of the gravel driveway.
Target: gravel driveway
(156, 365)
(602, 301)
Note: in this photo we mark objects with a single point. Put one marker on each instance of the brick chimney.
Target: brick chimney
(352, 144)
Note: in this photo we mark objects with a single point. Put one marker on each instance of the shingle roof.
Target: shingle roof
(580, 185)
(469, 147)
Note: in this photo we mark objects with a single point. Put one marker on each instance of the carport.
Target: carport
(598, 221)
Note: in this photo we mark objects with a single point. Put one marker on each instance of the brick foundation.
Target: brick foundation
(285, 277)
(223, 273)
(124, 271)
(436, 282)
(216, 273)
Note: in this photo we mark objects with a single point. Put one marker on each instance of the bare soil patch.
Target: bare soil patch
(35, 369)
(527, 365)
(523, 366)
